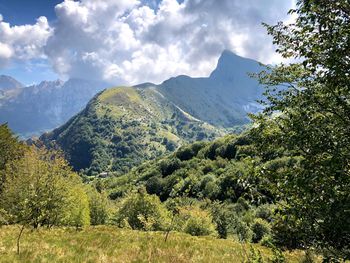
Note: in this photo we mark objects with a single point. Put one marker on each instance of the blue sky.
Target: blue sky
(19, 12)
(128, 41)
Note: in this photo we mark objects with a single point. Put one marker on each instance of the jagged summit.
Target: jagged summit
(230, 64)
(222, 99)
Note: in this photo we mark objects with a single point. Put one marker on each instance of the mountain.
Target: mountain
(224, 98)
(122, 127)
(35, 109)
(8, 83)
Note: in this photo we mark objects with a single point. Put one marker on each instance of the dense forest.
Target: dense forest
(283, 183)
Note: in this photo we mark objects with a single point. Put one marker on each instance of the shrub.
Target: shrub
(254, 256)
(223, 218)
(77, 212)
(98, 204)
(167, 167)
(242, 230)
(154, 185)
(188, 152)
(277, 256)
(3, 217)
(195, 221)
(185, 153)
(260, 228)
(267, 241)
(41, 190)
(143, 212)
(264, 212)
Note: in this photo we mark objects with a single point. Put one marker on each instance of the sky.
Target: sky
(132, 41)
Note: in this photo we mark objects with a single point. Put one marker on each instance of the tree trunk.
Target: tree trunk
(169, 229)
(19, 237)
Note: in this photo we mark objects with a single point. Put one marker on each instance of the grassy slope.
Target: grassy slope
(124, 126)
(109, 244)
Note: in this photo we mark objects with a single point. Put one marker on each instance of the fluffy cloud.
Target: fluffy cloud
(127, 41)
(23, 42)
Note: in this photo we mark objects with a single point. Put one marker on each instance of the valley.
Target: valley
(160, 144)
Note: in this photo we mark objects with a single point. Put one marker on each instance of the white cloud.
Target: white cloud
(127, 42)
(23, 42)
(5, 54)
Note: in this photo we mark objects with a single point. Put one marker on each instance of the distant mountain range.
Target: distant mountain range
(124, 126)
(38, 108)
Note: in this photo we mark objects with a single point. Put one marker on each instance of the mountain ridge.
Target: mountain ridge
(122, 127)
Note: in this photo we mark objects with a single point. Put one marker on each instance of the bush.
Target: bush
(41, 190)
(254, 256)
(195, 221)
(154, 185)
(143, 212)
(3, 217)
(188, 152)
(267, 241)
(98, 204)
(167, 167)
(265, 212)
(243, 232)
(286, 233)
(77, 211)
(260, 228)
(224, 218)
(185, 153)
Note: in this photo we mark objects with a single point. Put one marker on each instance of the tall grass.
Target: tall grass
(109, 244)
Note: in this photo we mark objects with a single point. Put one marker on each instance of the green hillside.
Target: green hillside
(214, 170)
(121, 127)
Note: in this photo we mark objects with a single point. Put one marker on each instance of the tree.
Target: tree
(34, 189)
(40, 190)
(10, 149)
(76, 212)
(98, 204)
(306, 125)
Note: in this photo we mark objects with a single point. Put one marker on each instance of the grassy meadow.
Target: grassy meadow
(110, 244)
